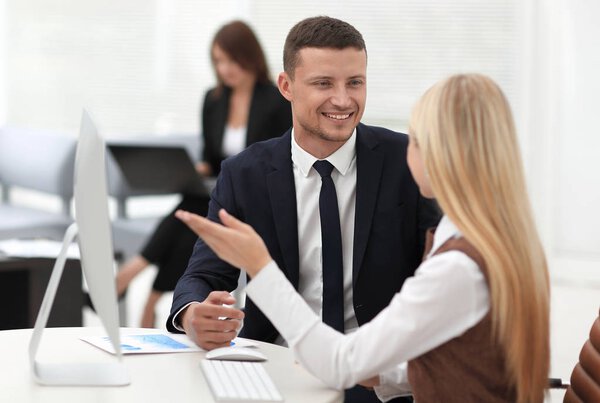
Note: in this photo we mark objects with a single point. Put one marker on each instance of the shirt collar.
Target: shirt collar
(341, 159)
(444, 231)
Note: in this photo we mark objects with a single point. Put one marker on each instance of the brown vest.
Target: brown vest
(468, 368)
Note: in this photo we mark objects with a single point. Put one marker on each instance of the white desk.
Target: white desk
(154, 377)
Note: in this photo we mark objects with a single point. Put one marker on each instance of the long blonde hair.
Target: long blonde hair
(465, 132)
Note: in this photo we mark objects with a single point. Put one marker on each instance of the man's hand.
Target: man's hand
(210, 324)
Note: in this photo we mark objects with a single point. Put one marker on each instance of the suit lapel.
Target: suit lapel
(369, 164)
(282, 194)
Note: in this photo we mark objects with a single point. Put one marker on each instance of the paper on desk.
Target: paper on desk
(159, 342)
(30, 248)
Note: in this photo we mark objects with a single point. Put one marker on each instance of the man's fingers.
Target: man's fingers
(212, 345)
(209, 325)
(213, 307)
(213, 333)
(223, 326)
(216, 311)
(219, 298)
(210, 340)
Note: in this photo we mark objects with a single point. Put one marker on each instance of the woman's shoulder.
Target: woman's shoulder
(268, 96)
(267, 86)
(215, 94)
(267, 90)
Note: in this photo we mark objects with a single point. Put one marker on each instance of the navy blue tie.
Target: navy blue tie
(331, 241)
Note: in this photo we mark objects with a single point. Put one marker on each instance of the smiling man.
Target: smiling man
(328, 89)
(332, 198)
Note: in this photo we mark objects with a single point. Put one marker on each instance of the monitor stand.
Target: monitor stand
(71, 374)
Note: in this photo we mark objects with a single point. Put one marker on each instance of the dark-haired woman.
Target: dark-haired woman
(245, 107)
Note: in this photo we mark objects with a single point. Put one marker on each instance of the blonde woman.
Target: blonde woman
(473, 323)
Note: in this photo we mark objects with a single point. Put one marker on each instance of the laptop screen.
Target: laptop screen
(158, 168)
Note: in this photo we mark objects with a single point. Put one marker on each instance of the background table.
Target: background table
(23, 282)
(175, 377)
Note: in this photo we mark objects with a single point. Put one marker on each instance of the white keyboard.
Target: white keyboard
(240, 380)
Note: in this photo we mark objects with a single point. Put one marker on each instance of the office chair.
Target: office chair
(585, 379)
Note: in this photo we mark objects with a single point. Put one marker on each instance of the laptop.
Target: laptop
(158, 168)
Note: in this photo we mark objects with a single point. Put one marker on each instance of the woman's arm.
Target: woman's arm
(447, 296)
(234, 241)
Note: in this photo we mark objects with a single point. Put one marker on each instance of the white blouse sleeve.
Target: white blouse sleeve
(447, 296)
(393, 383)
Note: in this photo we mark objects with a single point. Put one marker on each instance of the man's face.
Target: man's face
(328, 94)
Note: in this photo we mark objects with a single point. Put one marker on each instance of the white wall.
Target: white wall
(563, 156)
(3, 91)
(578, 158)
(144, 65)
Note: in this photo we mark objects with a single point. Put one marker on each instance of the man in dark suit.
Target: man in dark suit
(274, 187)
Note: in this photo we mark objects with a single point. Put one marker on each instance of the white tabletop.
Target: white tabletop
(154, 377)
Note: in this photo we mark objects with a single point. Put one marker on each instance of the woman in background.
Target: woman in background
(472, 325)
(244, 107)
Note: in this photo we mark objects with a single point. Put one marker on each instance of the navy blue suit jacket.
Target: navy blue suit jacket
(257, 186)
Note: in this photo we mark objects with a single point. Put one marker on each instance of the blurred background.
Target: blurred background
(142, 66)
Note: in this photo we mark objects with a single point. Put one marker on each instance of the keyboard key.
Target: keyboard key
(235, 380)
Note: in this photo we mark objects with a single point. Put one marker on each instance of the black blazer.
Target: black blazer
(270, 115)
(257, 186)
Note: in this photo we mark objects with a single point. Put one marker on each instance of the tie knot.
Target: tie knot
(323, 167)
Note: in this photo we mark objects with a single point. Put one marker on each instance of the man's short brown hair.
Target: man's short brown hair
(319, 32)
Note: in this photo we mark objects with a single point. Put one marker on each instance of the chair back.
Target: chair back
(585, 379)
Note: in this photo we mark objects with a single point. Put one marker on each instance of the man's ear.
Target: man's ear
(284, 84)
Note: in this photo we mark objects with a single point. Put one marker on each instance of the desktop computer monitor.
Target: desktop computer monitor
(93, 224)
(92, 227)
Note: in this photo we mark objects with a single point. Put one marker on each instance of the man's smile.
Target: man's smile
(337, 116)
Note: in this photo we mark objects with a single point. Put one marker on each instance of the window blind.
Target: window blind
(142, 66)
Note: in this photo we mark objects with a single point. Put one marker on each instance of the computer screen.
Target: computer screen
(92, 229)
(158, 168)
(93, 222)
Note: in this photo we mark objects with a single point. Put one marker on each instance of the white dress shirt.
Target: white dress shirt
(308, 187)
(447, 296)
